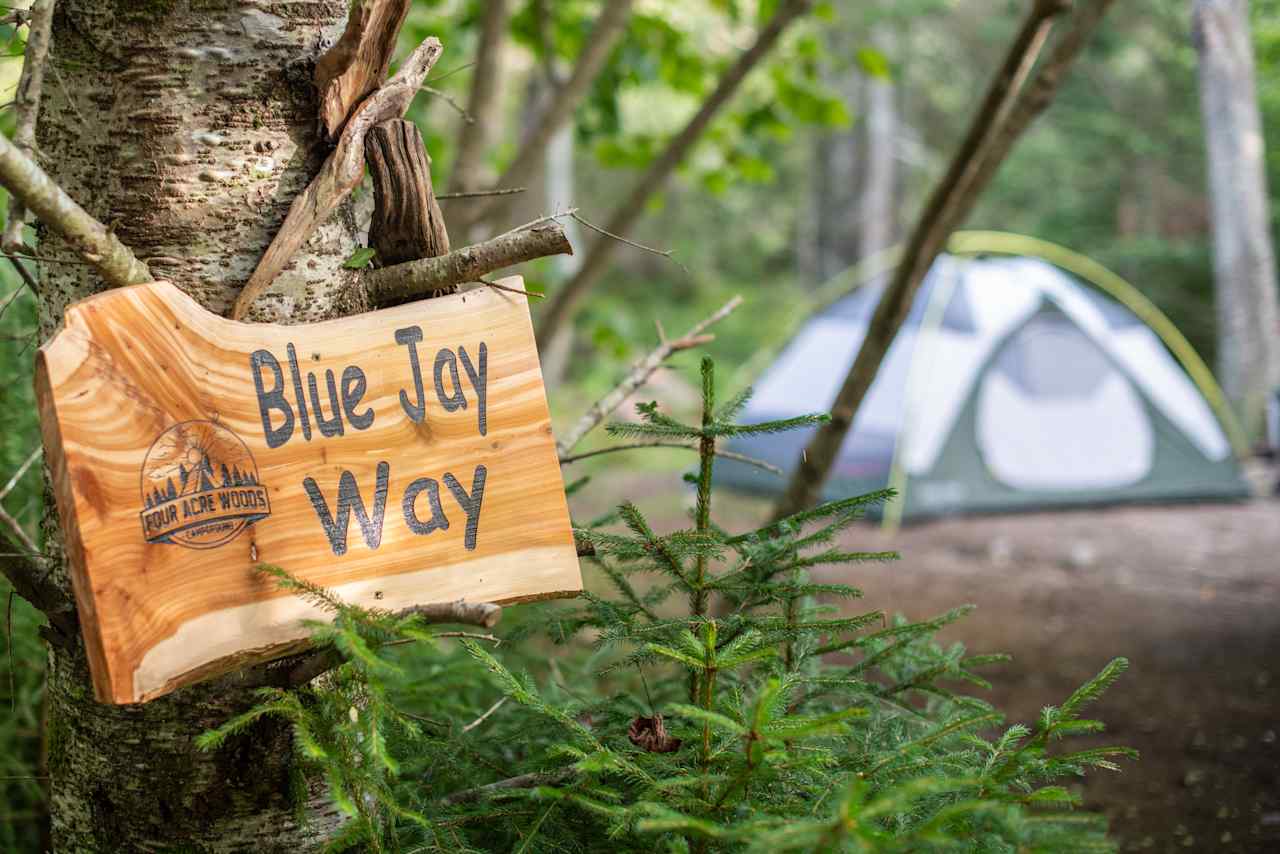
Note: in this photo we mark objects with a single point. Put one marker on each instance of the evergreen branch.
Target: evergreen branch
(1094, 688)
(767, 427)
(797, 520)
(727, 455)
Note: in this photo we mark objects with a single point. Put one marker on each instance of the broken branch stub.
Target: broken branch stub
(407, 223)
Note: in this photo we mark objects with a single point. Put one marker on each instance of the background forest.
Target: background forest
(771, 204)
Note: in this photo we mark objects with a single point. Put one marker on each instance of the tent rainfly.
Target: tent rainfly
(1010, 387)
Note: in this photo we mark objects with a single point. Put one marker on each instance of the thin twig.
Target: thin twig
(667, 253)
(27, 101)
(33, 584)
(471, 194)
(50, 260)
(555, 217)
(639, 374)
(18, 531)
(13, 297)
(493, 639)
(22, 469)
(524, 781)
(450, 72)
(728, 455)
(27, 278)
(499, 287)
(485, 716)
(449, 99)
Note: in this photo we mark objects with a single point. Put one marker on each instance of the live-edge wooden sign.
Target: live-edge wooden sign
(401, 457)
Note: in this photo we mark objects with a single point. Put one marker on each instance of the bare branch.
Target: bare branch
(420, 278)
(22, 469)
(461, 611)
(27, 103)
(451, 101)
(499, 287)
(97, 244)
(598, 45)
(991, 135)
(665, 253)
(340, 174)
(24, 273)
(634, 446)
(640, 373)
(471, 194)
(485, 716)
(524, 781)
(34, 584)
(562, 306)
(19, 532)
(357, 63)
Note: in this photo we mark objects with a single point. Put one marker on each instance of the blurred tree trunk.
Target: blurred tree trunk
(855, 204)
(190, 132)
(1243, 256)
(878, 206)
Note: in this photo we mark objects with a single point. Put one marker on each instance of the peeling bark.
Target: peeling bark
(188, 128)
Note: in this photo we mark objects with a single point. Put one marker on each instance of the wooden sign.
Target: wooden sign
(401, 457)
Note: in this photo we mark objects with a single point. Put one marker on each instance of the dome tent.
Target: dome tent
(1010, 386)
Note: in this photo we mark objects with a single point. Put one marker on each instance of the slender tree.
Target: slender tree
(1244, 259)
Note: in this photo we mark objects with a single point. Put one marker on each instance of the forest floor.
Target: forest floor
(1190, 594)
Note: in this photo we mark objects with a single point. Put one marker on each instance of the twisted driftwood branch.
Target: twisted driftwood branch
(340, 174)
(358, 61)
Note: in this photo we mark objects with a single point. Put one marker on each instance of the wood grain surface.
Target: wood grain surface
(186, 449)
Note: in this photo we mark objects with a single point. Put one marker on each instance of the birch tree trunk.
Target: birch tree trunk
(189, 127)
(1243, 256)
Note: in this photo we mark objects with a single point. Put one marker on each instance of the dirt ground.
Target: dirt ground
(1189, 594)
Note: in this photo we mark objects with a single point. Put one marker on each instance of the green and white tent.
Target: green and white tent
(1011, 386)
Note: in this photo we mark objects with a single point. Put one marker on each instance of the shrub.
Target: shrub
(720, 705)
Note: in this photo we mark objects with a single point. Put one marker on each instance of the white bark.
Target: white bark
(878, 209)
(1243, 255)
(190, 132)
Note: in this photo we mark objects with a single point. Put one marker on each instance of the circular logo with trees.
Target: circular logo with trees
(199, 487)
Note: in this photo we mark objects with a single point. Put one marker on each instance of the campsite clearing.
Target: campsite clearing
(1186, 592)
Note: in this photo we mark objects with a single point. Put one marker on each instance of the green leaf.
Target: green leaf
(873, 63)
(361, 258)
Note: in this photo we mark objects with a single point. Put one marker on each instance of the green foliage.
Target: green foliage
(360, 258)
(722, 701)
